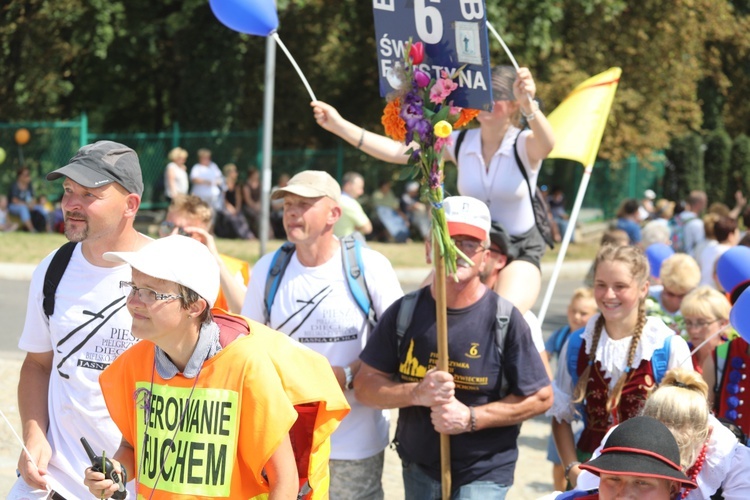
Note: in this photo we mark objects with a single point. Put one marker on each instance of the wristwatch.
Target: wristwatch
(349, 377)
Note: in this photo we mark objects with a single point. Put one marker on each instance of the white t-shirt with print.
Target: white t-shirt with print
(314, 306)
(88, 330)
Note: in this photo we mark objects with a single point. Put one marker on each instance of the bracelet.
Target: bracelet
(472, 420)
(532, 114)
(361, 139)
(570, 466)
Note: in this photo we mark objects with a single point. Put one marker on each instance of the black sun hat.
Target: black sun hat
(641, 446)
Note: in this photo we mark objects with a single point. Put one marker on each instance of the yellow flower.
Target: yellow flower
(443, 129)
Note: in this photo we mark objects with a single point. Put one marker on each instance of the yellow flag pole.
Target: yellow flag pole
(442, 361)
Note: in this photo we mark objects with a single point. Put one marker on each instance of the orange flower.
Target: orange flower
(395, 128)
(465, 117)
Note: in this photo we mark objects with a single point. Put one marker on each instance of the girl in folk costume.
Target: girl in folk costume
(607, 372)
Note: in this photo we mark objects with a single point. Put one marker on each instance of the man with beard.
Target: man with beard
(72, 332)
(496, 381)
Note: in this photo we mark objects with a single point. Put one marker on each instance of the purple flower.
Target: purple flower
(421, 78)
(434, 177)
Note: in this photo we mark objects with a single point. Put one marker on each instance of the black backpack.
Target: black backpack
(542, 214)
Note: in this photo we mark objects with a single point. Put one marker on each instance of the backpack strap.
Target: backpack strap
(523, 172)
(720, 363)
(405, 313)
(459, 141)
(502, 320)
(54, 274)
(278, 266)
(575, 340)
(351, 255)
(660, 360)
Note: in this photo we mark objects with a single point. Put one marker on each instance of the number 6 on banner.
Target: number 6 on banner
(422, 14)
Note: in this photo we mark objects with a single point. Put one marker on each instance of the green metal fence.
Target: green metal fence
(52, 144)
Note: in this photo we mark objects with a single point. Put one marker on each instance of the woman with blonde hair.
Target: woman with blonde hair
(607, 372)
(175, 175)
(710, 454)
(705, 311)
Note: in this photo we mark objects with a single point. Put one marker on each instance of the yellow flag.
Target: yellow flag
(580, 119)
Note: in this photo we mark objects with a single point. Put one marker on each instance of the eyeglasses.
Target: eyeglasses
(166, 228)
(469, 246)
(145, 295)
(700, 324)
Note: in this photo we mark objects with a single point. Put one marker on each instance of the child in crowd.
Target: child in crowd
(5, 224)
(581, 308)
(614, 237)
(679, 276)
(710, 454)
(607, 372)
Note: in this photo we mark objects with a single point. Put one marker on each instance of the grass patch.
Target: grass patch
(26, 248)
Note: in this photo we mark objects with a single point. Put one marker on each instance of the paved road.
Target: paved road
(533, 472)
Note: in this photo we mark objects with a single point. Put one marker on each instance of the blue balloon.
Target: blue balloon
(254, 17)
(739, 316)
(733, 267)
(657, 253)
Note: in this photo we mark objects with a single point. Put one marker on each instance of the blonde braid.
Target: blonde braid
(614, 400)
(579, 393)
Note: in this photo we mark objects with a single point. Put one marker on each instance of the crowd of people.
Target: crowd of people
(200, 376)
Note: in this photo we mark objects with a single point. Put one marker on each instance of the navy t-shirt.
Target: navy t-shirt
(485, 455)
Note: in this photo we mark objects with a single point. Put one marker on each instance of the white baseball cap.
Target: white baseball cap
(176, 258)
(649, 194)
(467, 216)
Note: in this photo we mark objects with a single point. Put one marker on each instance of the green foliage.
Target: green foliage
(740, 163)
(140, 65)
(716, 166)
(685, 170)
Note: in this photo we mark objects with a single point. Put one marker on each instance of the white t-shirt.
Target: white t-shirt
(314, 306)
(210, 193)
(708, 257)
(88, 330)
(502, 186)
(181, 182)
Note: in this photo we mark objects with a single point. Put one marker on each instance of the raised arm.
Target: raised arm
(541, 141)
(376, 145)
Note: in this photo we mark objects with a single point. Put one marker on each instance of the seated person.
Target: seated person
(389, 214)
(641, 460)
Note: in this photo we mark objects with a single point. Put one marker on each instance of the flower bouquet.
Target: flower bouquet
(420, 111)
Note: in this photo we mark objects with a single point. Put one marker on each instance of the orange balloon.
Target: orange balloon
(22, 136)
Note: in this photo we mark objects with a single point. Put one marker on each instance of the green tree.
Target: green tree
(716, 166)
(740, 163)
(685, 168)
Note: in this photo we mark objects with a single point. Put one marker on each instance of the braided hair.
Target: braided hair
(638, 264)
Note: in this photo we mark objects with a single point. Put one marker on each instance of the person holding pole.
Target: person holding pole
(496, 381)
(487, 169)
